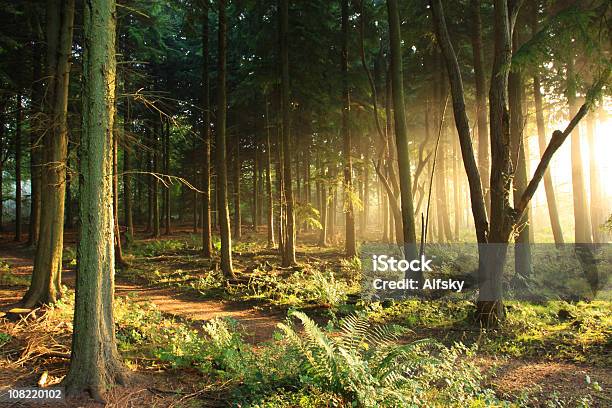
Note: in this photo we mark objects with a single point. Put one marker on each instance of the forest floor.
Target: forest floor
(169, 276)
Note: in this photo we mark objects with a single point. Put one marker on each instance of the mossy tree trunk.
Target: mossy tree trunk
(95, 364)
(45, 286)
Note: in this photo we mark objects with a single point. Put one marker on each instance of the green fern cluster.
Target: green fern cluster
(363, 362)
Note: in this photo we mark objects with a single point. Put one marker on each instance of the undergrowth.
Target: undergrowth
(579, 332)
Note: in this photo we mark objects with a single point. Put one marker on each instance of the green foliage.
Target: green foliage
(159, 247)
(306, 213)
(8, 278)
(4, 339)
(365, 364)
(319, 287)
(529, 331)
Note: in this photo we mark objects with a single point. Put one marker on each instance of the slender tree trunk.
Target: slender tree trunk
(167, 209)
(237, 172)
(282, 222)
(401, 133)
(2, 158)
(155, 193)
(331, 209)
(522, 252)
(481, 100)
(149, 179)
(119, 261)
(582, 222)
(289, 252)
(271, 243)
(18, 124)
(36, 151)
(324, 217)
(95, 364)
(456, 187)
(350, 246)
(206, 137)
(221, 151)
(551, 201)
(255, 180)
(45, 285)
(127, 181)
(598, 216)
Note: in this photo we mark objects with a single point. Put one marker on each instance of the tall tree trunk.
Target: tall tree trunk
(456, 192)
(127, 181)
(522, 252)
(119, 261)
(598, 216)
(18, 124)
(481, 100)
(36, 151)
(237, 172)
(149, 178)
(206, 164)
(271, 243)
(221, 151)
(324, 213)
(2, 158)
(282, 222)
(256, 165)
(401, 133)
(350, 246)
(289, 252)
(582, 221)
(95, 364)
(551, 201)
(155, 192)
(45, 285)
(167, 209)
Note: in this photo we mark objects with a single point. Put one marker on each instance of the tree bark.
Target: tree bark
(288, 257)
(598, 216)
(95, 364)
(36, 134)
(221, 151)
(481, 100)
(167, 209)
(350, 246)
(155, 180)
(582, 221)
(522, 251)
(271, 241)
(237, 172)
(18, 124)
(127, 182)
(45, 285)
(119, 261)
(206, 137)
(401, 132)
(551, 200)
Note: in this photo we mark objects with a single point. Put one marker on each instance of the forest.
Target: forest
(322, 203)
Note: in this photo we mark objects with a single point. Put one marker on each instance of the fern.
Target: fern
(362, 363)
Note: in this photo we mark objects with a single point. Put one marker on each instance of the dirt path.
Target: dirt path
(258, 324)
